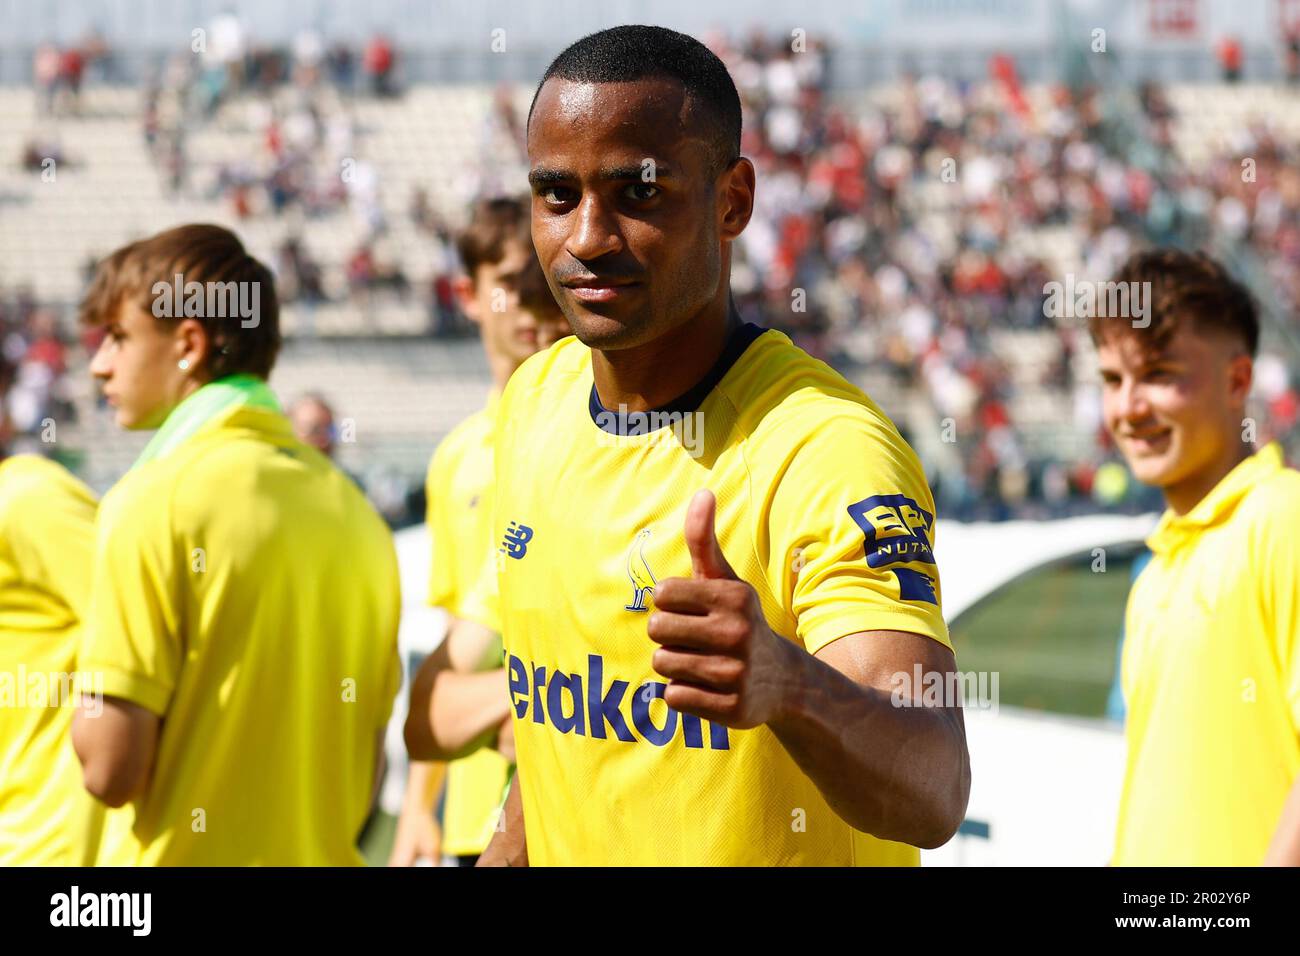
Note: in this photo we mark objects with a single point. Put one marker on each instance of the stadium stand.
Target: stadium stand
(914, 223)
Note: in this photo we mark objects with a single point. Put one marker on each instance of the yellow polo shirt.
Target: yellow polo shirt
(459, 495)
(1211, 675)
(822, 507)
(47, 538)
(247, 593)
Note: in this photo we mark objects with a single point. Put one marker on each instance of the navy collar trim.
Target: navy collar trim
(642, 423)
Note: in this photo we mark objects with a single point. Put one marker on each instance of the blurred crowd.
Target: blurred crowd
(33, 373)
(906, 237)
(307, 164)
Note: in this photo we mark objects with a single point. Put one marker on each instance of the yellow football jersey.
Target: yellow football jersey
(47, 537)
(1211, 675)
(458, 503)
(458, 493)
(247, 593)
(822, 508)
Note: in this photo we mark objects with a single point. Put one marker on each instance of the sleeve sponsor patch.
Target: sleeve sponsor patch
(897, 532)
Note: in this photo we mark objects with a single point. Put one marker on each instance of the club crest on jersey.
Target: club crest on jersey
(897, 532)
(638, 572)
(515, 542)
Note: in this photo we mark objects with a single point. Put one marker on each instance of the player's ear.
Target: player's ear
(736, 197)
(462, 288)
(1241, 371)
(192, 343)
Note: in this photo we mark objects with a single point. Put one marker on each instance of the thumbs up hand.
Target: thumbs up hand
(723, 663)
(707, 560)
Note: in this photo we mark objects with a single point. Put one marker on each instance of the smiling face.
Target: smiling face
(1176, 412)
(629, 216)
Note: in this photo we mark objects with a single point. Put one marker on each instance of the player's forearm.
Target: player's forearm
(465, 711)
(509, 846)
(418, 836)
(898, 773)
(1285, 848)
(423, 780)
(115, 742)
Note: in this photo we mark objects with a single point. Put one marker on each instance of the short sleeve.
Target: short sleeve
(480, 603)
(850, 534)
(442, 584)
(132, 639)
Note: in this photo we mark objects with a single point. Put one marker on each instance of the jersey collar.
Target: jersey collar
(207, 404)
(638, 423)
(1216, 507)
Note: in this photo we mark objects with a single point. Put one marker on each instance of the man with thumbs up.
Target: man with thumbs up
(700, 677)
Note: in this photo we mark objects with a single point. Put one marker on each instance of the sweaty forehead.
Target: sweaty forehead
(647, 117)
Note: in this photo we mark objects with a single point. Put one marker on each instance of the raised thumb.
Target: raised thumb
(707, 559)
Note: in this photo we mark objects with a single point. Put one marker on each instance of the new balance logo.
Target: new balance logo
(515, 542)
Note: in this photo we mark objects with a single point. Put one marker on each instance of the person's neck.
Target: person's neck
(158, 418)
(188, 387)
(1188, 493)
(649, 376)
